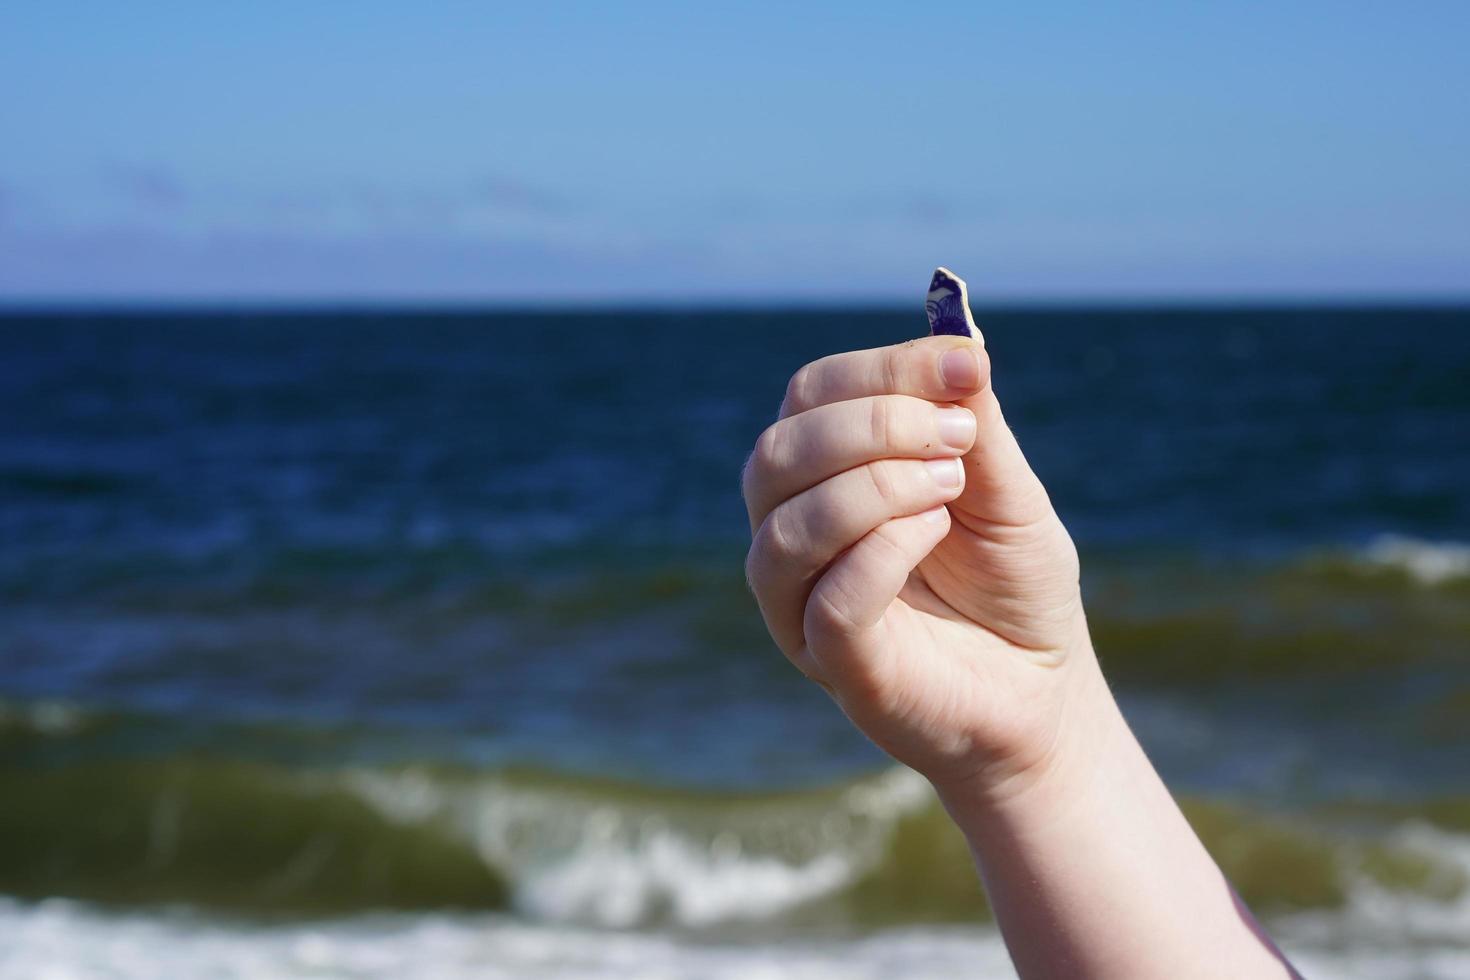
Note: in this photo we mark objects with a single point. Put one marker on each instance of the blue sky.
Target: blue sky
(563, 152)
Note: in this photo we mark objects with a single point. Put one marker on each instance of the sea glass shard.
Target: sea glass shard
(948, 306)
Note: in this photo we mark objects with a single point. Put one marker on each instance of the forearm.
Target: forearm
(1092, 870)
(938, 604)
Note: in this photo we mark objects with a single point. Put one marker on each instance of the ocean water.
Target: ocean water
(369, 645)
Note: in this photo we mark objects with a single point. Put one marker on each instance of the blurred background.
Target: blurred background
(374, 385)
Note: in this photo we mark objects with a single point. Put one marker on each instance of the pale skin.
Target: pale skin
(906, 558)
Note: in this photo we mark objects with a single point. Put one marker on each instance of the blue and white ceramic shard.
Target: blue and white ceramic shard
(948, 306)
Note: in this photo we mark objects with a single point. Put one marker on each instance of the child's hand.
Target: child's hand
(943, 614)
(952, 635)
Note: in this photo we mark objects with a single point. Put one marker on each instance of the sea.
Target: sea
(387, 643)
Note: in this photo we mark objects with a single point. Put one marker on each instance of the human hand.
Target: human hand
(936, 601)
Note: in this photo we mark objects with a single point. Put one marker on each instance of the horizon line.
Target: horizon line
(11, 306)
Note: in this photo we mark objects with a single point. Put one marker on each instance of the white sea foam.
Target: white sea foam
(59, 940)
(593, 880)
(570, 859)
(1427, 562)
(63, 941)
(1376, 917)
(46, 717)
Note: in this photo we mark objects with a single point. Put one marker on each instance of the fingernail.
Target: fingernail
(946, 472)
(960, 368)
(957, 427)
(935, 516)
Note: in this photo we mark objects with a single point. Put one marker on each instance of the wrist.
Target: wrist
(1054, 771)
(1087, 848)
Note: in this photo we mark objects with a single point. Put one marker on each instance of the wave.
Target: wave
(271, 837)
(58, 938)
(61, 938)
(622, 856)
(286, 627)
(1331, 613)
(469, 577)
(1429, 563)
(1382, 931)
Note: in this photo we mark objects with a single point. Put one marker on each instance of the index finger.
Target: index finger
(941, 368)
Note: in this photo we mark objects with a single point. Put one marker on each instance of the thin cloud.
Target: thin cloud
(141, 261)
(389, 207)
(496, 197)
(513, 194)
(345, 203)
(924, 209)
(930, 209)
(146, 184)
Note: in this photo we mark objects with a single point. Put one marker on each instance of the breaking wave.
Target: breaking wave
(1426, 562)
(259, 836)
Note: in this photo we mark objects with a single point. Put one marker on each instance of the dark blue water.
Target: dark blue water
(514, 541)
(495, 519)
(519, 435)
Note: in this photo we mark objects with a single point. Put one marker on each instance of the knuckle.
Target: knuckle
(883, 480)
(776, 540)
(798, 390)
(887, 543)
(826, 619)
(747, 478)
(825, 616)
(891, 369)
(763, 458)
(881, 423)
(806, 660)
(900, 425)
(752, 571)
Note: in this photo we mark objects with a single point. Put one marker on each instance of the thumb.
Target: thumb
(1000, 487)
